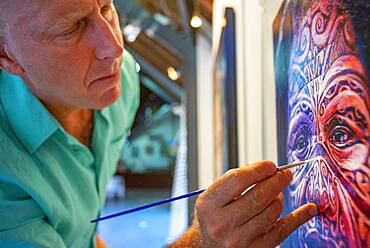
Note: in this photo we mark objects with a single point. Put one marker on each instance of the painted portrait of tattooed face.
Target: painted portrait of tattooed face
(328, 118)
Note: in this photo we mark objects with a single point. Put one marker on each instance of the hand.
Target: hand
(228, 218)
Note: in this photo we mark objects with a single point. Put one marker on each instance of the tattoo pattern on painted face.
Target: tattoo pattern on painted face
(328, 118)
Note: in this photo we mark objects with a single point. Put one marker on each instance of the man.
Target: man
(68, 96)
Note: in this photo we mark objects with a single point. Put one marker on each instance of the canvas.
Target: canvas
(323, 112)
(225, 106)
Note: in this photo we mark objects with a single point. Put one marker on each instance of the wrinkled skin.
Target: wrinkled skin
(69, 53)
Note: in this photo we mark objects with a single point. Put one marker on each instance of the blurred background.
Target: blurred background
(204, 107)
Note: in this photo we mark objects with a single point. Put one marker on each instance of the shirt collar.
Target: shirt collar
(30, 120)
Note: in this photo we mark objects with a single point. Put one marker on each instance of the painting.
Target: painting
(225, 108)
(322, 56)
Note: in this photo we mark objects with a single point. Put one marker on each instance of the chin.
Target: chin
(110, 97)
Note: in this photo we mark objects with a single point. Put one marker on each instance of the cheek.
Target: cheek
(58, 67)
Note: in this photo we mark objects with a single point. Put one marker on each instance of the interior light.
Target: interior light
(224, 22)
(172, 73)
(131, 32)
(196, 21)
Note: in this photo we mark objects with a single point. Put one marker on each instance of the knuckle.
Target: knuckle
(267, 164)
(232, 242)
(258, 197)
(262, 226)
(216, 231)
(284, 231)
(233, 173)
(201, 206)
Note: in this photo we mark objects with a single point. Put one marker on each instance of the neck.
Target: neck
(78, 122)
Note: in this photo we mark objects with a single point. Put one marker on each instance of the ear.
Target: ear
(7, 63)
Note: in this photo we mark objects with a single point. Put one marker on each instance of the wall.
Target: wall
(206, 55)
(256, 86)
(270, 9)
(206, 171)
(249, 89)
(257, 134)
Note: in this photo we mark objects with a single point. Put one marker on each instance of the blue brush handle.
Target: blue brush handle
(149, 205)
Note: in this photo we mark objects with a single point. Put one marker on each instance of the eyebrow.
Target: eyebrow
(66, 14)
(70, 16)
(106, 1)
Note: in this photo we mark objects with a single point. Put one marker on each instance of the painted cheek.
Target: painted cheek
(353, 158)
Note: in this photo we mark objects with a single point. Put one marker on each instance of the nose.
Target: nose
(107, 43)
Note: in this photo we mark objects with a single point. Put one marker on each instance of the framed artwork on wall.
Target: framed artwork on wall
(322, 58)
(225, 106)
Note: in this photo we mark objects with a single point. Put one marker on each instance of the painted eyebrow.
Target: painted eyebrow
(346, 101)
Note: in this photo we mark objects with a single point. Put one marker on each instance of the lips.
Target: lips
(105, 83)
(106, 77)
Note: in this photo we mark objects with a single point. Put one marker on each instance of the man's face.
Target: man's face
(70, 50)
(329, 119)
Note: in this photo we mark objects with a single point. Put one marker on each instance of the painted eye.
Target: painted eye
(341, 136)
(302, 142)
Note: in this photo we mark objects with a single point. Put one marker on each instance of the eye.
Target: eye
(76, 27)
(341, 136)
(107, 12)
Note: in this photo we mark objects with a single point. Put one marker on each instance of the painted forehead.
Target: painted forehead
(324, 47)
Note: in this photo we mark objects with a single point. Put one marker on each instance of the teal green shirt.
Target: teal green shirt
(51, 185)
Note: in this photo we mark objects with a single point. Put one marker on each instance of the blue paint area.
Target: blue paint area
(147, 228)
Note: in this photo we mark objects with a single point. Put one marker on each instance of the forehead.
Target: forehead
(44, 12)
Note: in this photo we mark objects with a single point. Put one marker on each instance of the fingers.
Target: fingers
(235, 181)
(257, 199)
(263, 222)
(284, 227)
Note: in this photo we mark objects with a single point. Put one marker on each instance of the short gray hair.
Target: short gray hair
(3, 4)
(2, 28)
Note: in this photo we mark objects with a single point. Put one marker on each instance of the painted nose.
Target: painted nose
(318, 148)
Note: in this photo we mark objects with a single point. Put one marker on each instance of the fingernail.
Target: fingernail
(314, 211)
(271, 167)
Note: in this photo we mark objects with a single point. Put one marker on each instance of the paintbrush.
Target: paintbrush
(283, 167)
(194, 193)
